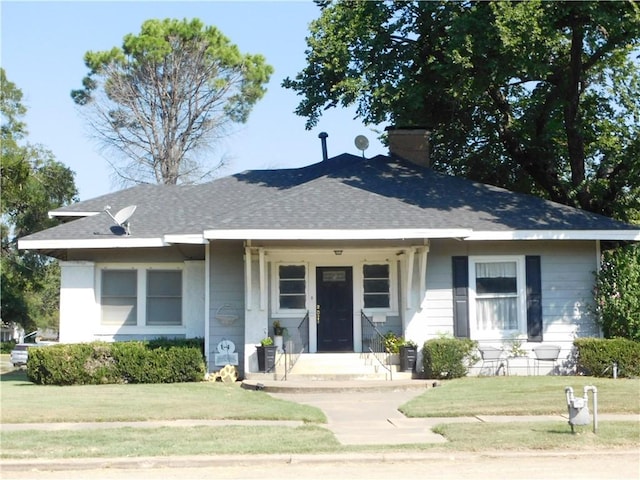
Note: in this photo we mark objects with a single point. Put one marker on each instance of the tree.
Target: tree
(33, 183)
(617, 293)
(166, 95)
(539, 97)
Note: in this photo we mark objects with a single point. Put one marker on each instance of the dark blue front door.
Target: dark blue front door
(334, 309)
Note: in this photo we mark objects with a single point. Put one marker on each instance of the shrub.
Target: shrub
(617, 293)
(6, 347)
(69, 364)
(165, 361)
(164, 342)
(597, 355)
(446, 358)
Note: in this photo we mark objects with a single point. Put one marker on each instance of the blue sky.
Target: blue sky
(43, 44)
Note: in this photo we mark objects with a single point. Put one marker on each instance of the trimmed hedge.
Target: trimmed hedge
(446, 358)
(161, 361)
(597, 355)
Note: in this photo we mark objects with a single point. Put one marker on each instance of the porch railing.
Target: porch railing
(373, 342)
(297, 343)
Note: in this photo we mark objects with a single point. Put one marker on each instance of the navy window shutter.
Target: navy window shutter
(460, 269)
(534, 298)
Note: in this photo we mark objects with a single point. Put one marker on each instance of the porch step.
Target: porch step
(342, 367)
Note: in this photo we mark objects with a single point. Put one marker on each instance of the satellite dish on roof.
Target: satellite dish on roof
(362, 143)
(122, 216)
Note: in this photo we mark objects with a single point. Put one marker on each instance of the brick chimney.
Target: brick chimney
(410, 143)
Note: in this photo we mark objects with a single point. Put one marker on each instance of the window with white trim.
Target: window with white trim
(376, 286)
(496, 296)
(292, 287)
(141, 296)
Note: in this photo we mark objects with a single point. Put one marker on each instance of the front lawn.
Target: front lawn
(539, 395)
(24, 402)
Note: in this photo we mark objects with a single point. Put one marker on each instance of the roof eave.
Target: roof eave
(620, 235)
(28, 244)
(331, 234)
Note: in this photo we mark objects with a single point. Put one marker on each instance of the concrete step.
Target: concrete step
(341, 366)
(312, 367)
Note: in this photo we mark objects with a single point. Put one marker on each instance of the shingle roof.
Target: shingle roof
(344, 192)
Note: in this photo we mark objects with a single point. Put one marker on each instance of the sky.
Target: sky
(42, 50)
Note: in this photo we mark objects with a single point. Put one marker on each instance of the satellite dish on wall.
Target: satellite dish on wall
(362, 143)
(122, 216)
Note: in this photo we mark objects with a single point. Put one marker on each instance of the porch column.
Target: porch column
(263, 280)
(424, 253)
(409, 259)
(248, 290)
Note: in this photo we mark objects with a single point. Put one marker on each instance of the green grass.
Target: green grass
(24, 402)
(539, 436)
(542, 395)
(166, 441)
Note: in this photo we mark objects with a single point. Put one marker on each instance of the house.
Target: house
(327, 250)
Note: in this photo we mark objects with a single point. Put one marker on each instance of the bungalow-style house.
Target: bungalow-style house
(327, 250)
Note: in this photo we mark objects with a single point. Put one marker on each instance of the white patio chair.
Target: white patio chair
(546, 353)
(491, 356)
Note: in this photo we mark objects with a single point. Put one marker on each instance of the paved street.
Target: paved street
(586, 465)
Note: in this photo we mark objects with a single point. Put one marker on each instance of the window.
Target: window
(164, 297)
(119, 297)
(292, 287)
(376, 286)
(141, 296)
(496, 299)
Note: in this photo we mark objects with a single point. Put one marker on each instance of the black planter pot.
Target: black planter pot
(408, 356)
(266, 357)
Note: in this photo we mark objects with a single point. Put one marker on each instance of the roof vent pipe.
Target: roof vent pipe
(323, 138)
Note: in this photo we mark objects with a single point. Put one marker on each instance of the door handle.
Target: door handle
(318, 314)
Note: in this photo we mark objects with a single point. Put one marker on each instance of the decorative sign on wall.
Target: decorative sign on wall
(227, 354)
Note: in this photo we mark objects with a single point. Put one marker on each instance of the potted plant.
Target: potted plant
(278, 334)
(408, 354)
(391, 345)
(266, 354)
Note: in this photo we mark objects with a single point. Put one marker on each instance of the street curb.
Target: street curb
(203, 461)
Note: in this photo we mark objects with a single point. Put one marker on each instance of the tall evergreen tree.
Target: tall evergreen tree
(166, 96)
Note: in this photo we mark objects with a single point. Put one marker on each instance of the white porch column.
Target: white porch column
(424, 254)
(409, 288)
(263, 280)
(248, 289)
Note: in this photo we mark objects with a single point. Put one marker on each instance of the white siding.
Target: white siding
(567, 269)
(79, 308)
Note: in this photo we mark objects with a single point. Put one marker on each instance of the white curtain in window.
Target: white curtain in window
(497, 313)
(496, 270)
